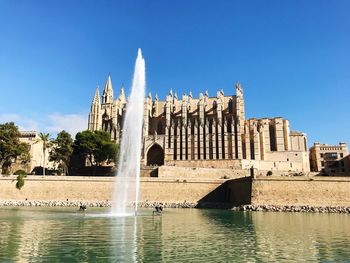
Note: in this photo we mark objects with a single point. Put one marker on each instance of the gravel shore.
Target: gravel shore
(291, 208)
(185, 204)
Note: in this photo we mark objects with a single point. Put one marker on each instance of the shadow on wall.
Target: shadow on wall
(230, 194)
(94, 171)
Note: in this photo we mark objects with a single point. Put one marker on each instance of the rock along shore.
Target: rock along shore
(185, 204)
(292, 208)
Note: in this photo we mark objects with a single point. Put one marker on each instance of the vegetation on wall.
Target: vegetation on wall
(20, 181)
(20, 172)
(11, 148)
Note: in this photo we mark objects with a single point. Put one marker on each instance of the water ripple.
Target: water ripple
(188, 235)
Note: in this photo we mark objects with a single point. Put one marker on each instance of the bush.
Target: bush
(20, 181)
(269, 173)
(20, 172)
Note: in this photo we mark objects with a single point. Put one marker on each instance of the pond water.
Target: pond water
(179, 235)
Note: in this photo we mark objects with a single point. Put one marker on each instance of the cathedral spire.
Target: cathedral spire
(239, 90)
(96, 100)
(94, 121)
(122, 94)
(108, 91)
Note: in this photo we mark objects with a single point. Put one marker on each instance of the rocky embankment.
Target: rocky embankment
(55, 203)
(185, 204)
(106, 203)
(291, 208)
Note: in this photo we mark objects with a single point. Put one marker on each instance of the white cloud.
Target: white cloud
(71, 123)
(23, 123)
(52, 123)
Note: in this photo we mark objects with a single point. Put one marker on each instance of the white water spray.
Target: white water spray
(127, 183)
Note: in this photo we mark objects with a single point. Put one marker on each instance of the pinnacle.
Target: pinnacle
(108, 86)
(96, 99)
(108, 90)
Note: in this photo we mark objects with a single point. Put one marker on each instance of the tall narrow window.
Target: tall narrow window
(272, 138)
(160, 128)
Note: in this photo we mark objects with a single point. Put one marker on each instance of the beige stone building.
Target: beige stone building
(36, 153)
(330, 159)
(204, 132)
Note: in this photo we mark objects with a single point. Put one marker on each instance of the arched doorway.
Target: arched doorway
(155, 155)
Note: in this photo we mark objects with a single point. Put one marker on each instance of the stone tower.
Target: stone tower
(107, 106)
(95, 121)
(107, 115)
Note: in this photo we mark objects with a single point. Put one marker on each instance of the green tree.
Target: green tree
(85, 144)
(10, 147)
(107, 150)
(61, 151)
(45, 139)
(96, 146)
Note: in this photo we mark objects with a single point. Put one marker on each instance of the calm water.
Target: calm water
(180, 235)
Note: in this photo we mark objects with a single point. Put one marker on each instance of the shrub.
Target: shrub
(20, 181)
(20, 172)
(269, 173)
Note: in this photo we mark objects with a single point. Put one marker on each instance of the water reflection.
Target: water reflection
(313, 237)
(123, 239)
(62, 235)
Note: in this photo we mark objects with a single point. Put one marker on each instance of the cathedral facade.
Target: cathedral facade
(204, 132)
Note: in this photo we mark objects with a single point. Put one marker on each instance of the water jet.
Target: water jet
(127, 182)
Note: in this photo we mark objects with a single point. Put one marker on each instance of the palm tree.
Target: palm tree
(45, 139)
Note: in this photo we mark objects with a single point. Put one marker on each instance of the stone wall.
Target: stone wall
(232, 164)
(324, 191)
(239, 191)
(101, 188)
(199, 173)
(274, 161)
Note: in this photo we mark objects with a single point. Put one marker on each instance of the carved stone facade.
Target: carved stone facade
(204, 128)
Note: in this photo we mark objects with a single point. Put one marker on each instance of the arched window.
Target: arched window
(155, 155)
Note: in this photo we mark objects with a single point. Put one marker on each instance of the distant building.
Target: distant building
(36, 153)
(330, 159)
(204, 131)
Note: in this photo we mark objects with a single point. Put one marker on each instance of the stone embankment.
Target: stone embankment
(185, 204)
(106, 203)
(55, 203)
(287, 208)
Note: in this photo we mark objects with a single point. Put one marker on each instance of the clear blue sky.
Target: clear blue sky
(292, 57)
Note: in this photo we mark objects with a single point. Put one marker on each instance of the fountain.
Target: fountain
(127, 183)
